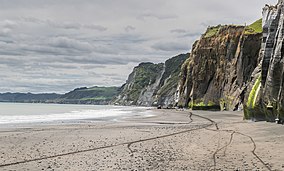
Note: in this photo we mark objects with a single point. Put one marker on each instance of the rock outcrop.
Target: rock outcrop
(140, 85)
(265, 100)
(219, 69)
(152, 84)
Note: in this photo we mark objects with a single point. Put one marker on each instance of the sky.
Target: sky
(59, 45)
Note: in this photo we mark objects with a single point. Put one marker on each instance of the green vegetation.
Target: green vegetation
(201, 105)
(251, 109)
(253, 94)
(212, 31)
(28, 97)
(92, 95)
(169, 85)
(83, 95)
(171, 76)
(143, 75)
(254, 28)
(147, 73)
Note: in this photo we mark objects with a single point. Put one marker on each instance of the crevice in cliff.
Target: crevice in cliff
(209, 83)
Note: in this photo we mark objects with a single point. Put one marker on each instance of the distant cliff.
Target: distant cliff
(93, 95)
(152, 84)
(217, 72)
(28, 97)
(265, 98)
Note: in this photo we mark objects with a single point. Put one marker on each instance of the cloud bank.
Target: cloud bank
(55, 46)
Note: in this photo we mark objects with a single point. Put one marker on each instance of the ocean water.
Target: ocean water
(26, 113)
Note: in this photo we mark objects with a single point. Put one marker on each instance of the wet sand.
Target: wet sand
(171, 140)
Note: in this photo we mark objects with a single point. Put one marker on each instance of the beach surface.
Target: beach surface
(170, 140)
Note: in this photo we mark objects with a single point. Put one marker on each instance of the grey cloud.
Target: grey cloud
(92, 66)
(5, 32)
(65, 42)
(8, 24)
(48, 46)
(99, 59)
(181, 33)
(94, 60)
(95, 27)
(156, 16)
(195, 35)
(7, 41)
(52, 23)
(130, 38)
(129, 28)
(178, 31)
(170, 46)
(65, 25)
(52, 46)
(31, 20)
(6, 27)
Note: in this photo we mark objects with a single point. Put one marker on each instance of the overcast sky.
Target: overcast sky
(58, 45)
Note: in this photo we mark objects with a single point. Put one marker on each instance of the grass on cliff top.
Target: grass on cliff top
(211, 31)
(254, 28)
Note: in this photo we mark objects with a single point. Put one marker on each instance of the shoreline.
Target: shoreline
(169, 140)
(22, 115)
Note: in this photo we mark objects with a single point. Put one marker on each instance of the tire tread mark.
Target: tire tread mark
(110, 146)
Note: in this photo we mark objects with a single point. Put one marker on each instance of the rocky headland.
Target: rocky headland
(152, 84)
(231, 67)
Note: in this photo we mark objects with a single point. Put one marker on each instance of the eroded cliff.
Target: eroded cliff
(219, 68)
(265, 98)
(140, 85)
(152, 84)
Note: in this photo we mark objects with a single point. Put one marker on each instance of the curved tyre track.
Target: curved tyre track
(230, 142)
(129, 144)
(115, 145)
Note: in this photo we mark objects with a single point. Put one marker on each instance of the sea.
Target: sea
(23, 114)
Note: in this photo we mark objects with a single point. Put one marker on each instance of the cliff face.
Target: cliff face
(140, 85)
(219, 68)
(152, 84)
(166, 94)
(265, 99)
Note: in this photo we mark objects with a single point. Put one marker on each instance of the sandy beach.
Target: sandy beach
(170, 140)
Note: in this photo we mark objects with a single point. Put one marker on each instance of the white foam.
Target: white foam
(73, 115)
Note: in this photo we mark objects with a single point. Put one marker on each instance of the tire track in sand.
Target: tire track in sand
(113, 145)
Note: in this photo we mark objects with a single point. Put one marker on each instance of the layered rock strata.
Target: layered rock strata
(219, 68)
(266, 96)
(152, 84)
